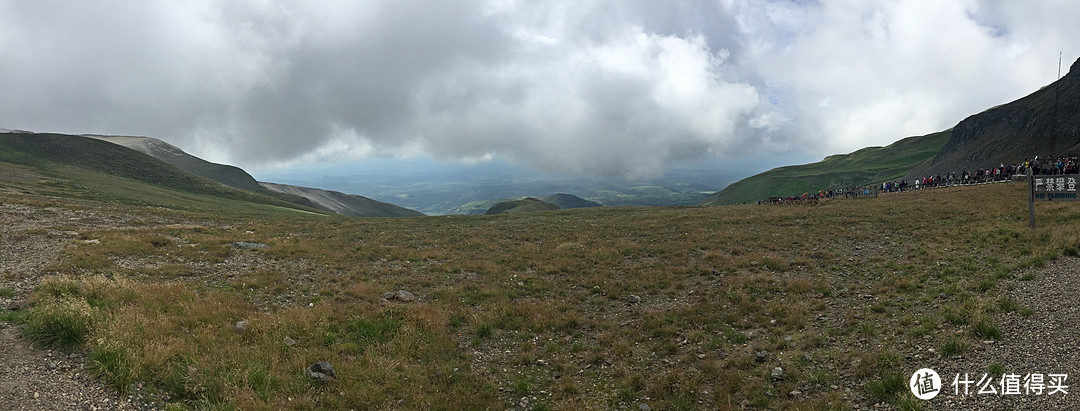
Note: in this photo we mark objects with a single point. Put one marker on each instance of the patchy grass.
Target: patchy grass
(581, 309)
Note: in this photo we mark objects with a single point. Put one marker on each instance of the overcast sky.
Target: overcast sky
(598, 88)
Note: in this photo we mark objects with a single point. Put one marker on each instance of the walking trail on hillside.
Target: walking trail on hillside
(33, 237)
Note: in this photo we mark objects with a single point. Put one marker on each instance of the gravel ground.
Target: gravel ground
(1042, 343)
(31, 239)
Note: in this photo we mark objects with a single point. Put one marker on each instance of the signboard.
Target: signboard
(1049, 188)
(1054, 188)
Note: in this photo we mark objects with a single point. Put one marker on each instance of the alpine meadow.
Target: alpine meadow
(527, 206)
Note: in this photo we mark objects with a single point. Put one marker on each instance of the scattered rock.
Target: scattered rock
(289, 342)
(244, 245)
(16, 306)
(321, 371)
(761, 356)
(643, 407)
(633, 299)
(795, 393)
(241, 326)
(399, 295)
(777, 374)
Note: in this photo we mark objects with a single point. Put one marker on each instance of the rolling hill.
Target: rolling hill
(868, 165)
(525, 205)
(332, 201)
(107, 171)
(231, 176)
(568, 201)
(344, 204)
(1046, 122)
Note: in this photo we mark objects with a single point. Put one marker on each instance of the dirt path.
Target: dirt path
(31, 239)
(32, 379)
(1045, 342)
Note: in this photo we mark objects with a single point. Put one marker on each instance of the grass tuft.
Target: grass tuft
(62, 323)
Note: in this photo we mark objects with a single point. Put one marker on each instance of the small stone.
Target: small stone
(289, 341)
(51, 365)
(701, 356)
(633, 299)
(777, 374)
(244, 245)
(93, 242)
(241, 326)
(643, 407)
(399, 295)
(761, 356)
(321, 371)
(795, 393)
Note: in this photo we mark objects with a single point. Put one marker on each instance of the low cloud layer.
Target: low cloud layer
(605, 88)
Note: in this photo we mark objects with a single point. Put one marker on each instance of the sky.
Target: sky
(617, 89)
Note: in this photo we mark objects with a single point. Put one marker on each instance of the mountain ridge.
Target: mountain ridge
(341, 203)
(1044, 122)
(332, 201)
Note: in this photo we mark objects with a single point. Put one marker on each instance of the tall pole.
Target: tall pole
(1031, 198)
(1057, 92)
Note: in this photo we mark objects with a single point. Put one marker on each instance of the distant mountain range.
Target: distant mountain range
(1046, 122)
(155, 162)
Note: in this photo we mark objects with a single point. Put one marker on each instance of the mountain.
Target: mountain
(79, 166)
(1046, 122)
(341, 203)
(231, 176)
(332, 201)
(568, 201)
(868, 165)
(524, 205)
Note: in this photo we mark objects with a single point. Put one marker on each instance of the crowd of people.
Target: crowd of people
(805, 198)
(1004, 172)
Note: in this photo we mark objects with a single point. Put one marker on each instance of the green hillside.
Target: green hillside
(870, 165)
(75, 166)
(568, 201)
(524, 205)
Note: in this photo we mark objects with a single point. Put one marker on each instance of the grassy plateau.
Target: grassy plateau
(597, 308)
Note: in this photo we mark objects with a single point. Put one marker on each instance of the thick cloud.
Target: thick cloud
(606, 88)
